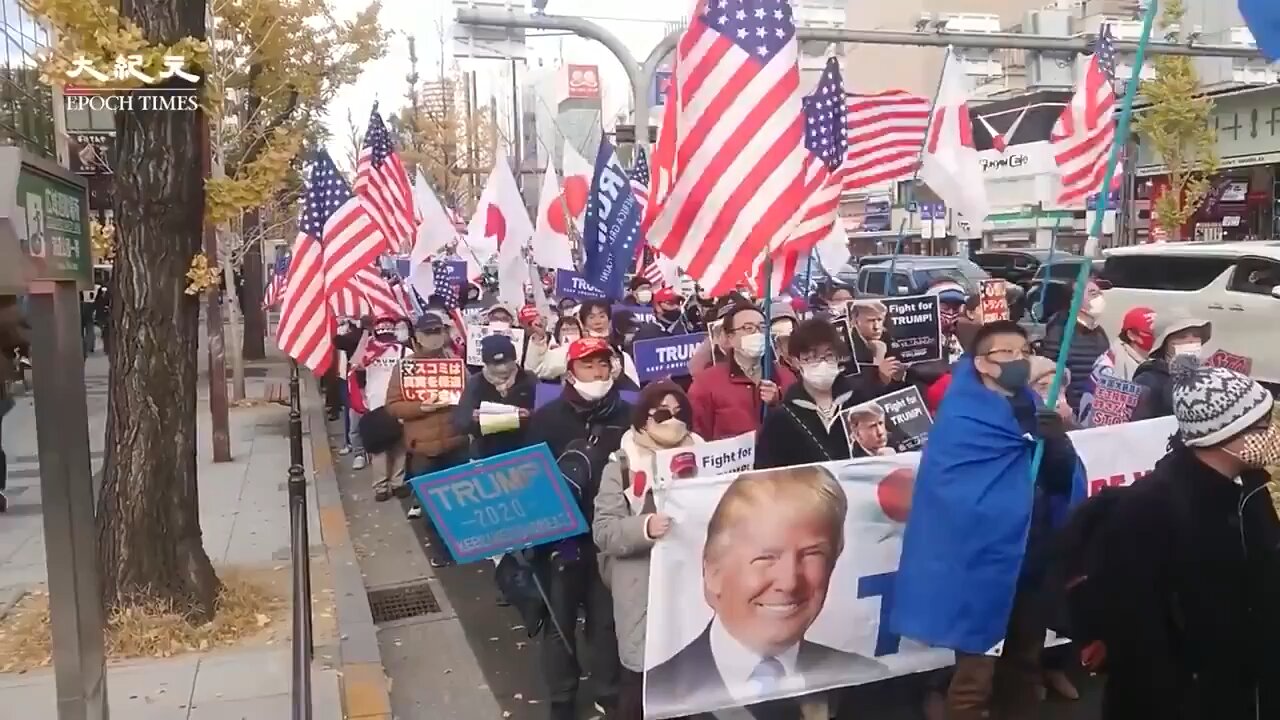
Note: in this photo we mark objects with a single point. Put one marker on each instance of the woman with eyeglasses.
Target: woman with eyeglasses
(627, 524)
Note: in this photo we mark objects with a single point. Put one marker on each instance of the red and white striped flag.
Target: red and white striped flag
(274, 292)
(886, 132)
(738, 170)
(347, 303)
(351, 239)
(383, 301)
(383, 188)
(1086, 131)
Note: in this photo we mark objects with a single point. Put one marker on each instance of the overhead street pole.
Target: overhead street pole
(641, 75)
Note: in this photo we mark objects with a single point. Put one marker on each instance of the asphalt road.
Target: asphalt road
(509, 658)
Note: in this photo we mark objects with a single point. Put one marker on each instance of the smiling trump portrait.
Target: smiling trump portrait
(772, 544)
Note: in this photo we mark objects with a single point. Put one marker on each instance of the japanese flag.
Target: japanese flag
(551, 246)
(578, 174)
(950, 164)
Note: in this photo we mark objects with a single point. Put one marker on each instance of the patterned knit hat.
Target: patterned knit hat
(1214, 404)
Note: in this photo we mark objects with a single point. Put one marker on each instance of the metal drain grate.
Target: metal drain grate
(402, 601)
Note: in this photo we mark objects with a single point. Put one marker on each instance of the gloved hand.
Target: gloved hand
(1049, 424)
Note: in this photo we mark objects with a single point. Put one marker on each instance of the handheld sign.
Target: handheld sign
(665, 357)
(909, 327)
(493, 506)
(640, 313)
(893, 423)
(1114, 401)
(570, 284)
(432, 382)
(718, 457)
(994, 301)
(476, 333)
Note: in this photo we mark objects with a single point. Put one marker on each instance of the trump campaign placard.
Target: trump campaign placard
(713, 606)
(499, 504)
(665, 357)
(570, 284)
(706, 459)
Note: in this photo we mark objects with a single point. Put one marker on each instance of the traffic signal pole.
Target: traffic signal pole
(641, 74)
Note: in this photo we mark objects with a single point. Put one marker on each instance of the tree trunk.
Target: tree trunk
(148, 518)
(255, 318)
(233, 323)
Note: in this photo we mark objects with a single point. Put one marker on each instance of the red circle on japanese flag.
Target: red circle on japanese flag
(495, 224)
(894, 494)
(573, 197)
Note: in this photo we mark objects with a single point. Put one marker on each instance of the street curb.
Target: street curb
(363, 684)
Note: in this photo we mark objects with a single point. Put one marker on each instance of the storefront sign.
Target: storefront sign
(1248, 130)
(49, 217)
(583, 82)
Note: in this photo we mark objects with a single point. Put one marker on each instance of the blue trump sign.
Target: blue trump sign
(611, 231)
(640, 313)
(499, 504)
(570, 284)
(665, 357)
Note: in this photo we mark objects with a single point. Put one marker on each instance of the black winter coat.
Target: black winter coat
(568, 418)
(794, 434)
(1086, 346)
(1157, 390)
(480, 390)
(1191, 583)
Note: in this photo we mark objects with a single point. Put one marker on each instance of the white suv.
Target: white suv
(1235, 286)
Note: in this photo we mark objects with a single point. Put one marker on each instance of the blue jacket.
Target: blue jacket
(978, 523)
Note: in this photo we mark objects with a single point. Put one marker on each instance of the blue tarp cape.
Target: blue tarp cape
(970, 514)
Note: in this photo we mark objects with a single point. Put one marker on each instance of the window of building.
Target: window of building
(26, 103)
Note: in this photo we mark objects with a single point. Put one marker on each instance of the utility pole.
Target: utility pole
(219, 409)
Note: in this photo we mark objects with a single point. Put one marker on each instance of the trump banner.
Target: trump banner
(570, 284)
(499, 504)
(718, 457)
(611, 231)
(727, 627)
(665, 357)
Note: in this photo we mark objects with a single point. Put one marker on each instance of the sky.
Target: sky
(639, 25)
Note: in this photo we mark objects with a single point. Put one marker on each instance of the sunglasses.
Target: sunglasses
(662, 414)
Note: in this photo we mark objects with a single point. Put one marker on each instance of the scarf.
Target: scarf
(640, 454)
(592, 412)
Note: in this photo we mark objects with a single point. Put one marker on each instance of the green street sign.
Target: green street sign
(44, 221)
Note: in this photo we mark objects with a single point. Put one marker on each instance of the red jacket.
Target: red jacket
(726, 403)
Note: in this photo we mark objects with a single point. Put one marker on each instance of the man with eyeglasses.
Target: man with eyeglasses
(971, 572)
(729, 398)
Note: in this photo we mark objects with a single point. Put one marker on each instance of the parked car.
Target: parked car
(1019, 266)
(1234, 285)
(1050, 289)
(915, 274)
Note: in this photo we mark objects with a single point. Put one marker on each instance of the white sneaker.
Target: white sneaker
(360, 463)
(344, 450)
(415, 512)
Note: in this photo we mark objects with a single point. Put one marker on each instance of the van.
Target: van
(1234, 285)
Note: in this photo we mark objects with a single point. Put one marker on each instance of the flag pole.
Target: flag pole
(766, 362)
(1082, 279)
(915, 177)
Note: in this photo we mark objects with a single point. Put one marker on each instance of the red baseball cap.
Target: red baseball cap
(588, 346)
(666, 295)
(528, 314)
(1140, 322)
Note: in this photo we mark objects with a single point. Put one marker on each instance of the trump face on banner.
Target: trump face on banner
(772, 544)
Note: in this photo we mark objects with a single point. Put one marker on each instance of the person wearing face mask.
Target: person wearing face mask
(668, 317)
(782, 324)
(1191, 577)
(702, 310)
(582, 428)
(976, 547)
(597, 321)
(641, 291)
(806, 427)
(1090, 342)
(1175, 334)
(430, 438)
(627, 525)
(377, 359)
(500, 316)
(729, 398)
(501, 381)
(546, 357)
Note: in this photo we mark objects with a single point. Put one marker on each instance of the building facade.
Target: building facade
(26, 104)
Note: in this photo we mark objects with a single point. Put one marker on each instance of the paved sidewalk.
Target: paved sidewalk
(245, 522)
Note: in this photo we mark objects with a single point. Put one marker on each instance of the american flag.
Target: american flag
(347, 303)
(449, 293)
(383, 187)
(640, 177)
(306, 325)
(826, 140)
(886, 132)
(1085, 133)
(374, 288)
(351, 239)
(739, 155)
(276, 286)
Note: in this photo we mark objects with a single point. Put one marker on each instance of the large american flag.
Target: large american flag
(825, 124)
(374, 288)
(1086, 131)
(351, 238)
(886, 132)
(738, 163)
(383, 188)
(447, 289)
(306, 325)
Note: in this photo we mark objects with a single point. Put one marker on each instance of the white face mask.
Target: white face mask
(499, 325)
(600, 333)
(1096, 307)
(594, 389)
(1186, 348)
(668, 433)
(820, 375)
(644, 297)
(752, 345)
(402, 335)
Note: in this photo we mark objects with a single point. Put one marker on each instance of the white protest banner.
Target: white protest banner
(719, 457)
(826, 616)
(476, 333)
